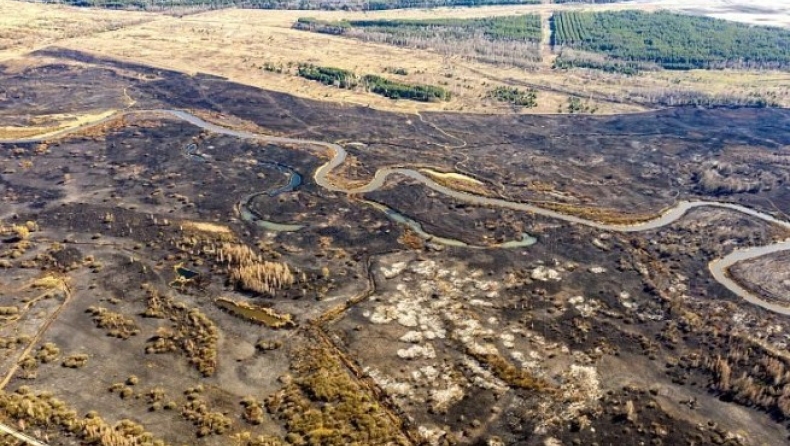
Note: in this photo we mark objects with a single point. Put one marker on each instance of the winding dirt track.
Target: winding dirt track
(717, 267)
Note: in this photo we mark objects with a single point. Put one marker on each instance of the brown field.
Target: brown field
(25, 27)
(237, 43)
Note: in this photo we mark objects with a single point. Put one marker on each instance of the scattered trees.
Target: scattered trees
(576, 105)
(190, 332)
(750, 374)
(75, 361)
(248, 271)
(9, 311)
(45, 411)
(116, 324)
(513, 40)
(253, 410)
(197, 411)
(515, 96)
(342, 79)
(48, 353)
(322, 404)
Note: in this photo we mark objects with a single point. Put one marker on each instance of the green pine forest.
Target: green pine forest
(671, 41)
(382, 86)
(513, 40)
(521, 27)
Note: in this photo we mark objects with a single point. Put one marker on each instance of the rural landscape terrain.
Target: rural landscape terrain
(394, 223)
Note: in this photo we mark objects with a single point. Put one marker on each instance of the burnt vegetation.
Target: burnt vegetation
(479, 325)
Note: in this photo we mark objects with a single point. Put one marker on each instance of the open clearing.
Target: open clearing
(236, 44)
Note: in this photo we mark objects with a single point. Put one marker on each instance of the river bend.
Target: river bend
(718, 267)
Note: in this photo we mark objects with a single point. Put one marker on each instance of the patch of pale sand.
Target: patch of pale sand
(452, 176)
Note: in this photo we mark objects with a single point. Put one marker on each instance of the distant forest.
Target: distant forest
(350, 5)
(514, 40)
(670, 41)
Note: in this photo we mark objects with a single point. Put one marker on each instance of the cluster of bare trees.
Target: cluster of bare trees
(754, 377)
(723, 178)
(250, 272)
(475, 45)
(43, 410)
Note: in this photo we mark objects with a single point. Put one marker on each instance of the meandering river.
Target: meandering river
(718, 267)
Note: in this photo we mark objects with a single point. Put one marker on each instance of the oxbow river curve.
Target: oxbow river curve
(718, 267)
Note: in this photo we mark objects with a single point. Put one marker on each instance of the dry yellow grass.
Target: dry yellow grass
(66, 122)
(452, 176)
(200, 226)
(256, 313)
(237, 43)
(459, 182)
(26, 27)
(49, 283)
(286, 18)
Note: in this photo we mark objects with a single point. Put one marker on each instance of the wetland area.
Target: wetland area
(213, 261)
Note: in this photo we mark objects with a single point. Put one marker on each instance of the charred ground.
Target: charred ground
(584, 337)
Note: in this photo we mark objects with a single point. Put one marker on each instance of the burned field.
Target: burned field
(167, 284)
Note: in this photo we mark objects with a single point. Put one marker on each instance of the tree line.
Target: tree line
(345, 5)
(398, 90)
(328, 75)
(513, 40)
(341, 78)
(348, 5)
(521, 27)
